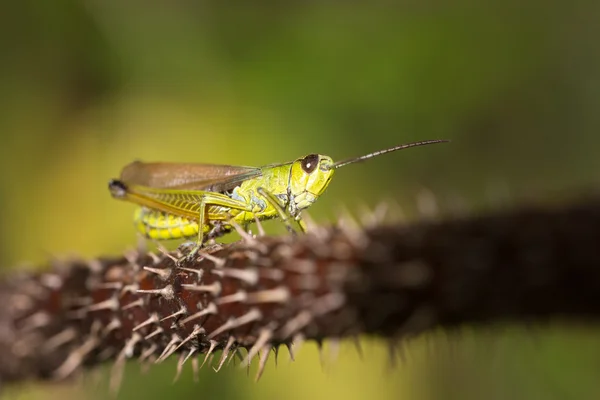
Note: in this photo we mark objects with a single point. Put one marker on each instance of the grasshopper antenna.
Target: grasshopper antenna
(384, 151)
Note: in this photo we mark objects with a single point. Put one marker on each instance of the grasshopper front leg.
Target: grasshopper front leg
(284, 215)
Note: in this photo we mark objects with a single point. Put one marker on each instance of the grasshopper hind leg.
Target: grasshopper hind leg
(192, 248)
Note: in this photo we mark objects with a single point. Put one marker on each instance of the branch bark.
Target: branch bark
(525, 264)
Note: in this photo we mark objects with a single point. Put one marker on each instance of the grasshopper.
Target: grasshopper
(183, 201)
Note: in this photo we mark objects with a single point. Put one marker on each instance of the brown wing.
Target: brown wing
(191, 176)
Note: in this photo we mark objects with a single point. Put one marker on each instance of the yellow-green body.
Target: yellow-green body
(278, 190)
(205, 200)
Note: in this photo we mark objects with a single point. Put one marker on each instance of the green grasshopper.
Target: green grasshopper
(180, 200)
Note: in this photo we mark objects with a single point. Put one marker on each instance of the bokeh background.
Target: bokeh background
(88, 86)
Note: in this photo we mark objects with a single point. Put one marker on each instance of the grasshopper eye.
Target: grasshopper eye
(309, 163)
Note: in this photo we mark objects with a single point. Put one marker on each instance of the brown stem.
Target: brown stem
(522, 265)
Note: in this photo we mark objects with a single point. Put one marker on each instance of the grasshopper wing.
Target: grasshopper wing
(187, 176)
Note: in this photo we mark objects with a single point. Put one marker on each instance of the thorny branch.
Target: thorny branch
(524, 265)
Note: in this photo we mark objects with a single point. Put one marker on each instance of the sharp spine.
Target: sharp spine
(213, 344)
(280, 294)
(248, 276)
(169, 348)
(263, 356)
(163, 273)
(263, 339)
(239, 296)
(167, 292)
(111, 304)
(155, 332)
(138, 303)
(214, 288)
(61, 338)
(219, 262)
(253, 315)
(147, 353)
(225, 353)
(153, 319)
(211, 308)
(181, 311)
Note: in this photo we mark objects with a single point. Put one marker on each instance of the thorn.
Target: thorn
(259, 226)
(234, 354)
(37, 320)
(154, 257)
(426, 204)
(61, 338)
(147, 353)
(115, 323)
(51, 281)
(138, 303)
(264, 336)
(75, 358)
(219, 262)
(394, 349)
(280, 294)
(375, 217)
(197, 330)
(311, 225)
(153, 318)
(108, 304)
(301, 319)
(133, 288)
(182, 359)
(328, 303)
(304, 267)
(199, 272)
(213, 344)
(95, 266)
(155, 332)
(210, 309)
(179, 368)
(238, 355)
(247, 238)
(225, 353)
(165, 252)
(78, 301)
(141, 243)
(181, 311)
(167, 292)
(117, 370)
(195, 369)
(251, 316)
(352, 229)
(246, 275)
(358, 347)
(346, 220)
(320, 349)
(109, 286)
(242, 232)
(276, 351)
(380, 212)
(334, 350)
(263, 356)
(214, 288)
(169, 349)
(131, 255)
(163, 273)
(295, 346)
(239, 296)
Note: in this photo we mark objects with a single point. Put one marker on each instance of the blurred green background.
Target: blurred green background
(88, 86)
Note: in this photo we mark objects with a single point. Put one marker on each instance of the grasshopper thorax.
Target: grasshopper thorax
(309, 177)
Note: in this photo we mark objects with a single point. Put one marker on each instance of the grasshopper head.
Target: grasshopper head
(309, 178)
